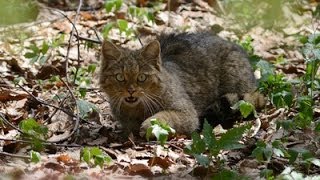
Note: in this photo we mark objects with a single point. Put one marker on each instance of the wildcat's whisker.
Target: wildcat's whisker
(156, 100)
(152, 105)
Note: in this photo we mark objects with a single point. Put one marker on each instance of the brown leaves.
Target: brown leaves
(139, 169)
(12, 95)
(164, 163)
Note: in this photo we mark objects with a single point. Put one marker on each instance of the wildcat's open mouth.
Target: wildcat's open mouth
(131, 99)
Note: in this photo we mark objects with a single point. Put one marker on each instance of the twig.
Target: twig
(78, 42)
(14, 155)
(97, 34)
(51, 105)
(169, 16)
(74, 29)
(89, 39)
(10, 124)
(56, 110)
(19, 130)
(44, 143)
(76, 126)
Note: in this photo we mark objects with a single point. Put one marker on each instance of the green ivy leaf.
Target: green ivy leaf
(30, 55)
(86, 155)
(34, 59)
(266, 69)
(258, 153)
(99, 160)
(268, 153)
(34, 48)
(245, 108)
(58, 41)
(95, 151)
(45, 47)
(31, 126)
(94, 155)
(122, 25)
(106, 30)
(108, 6)
(92, 68)
(202, 160)
(113, 3)
(282, 99)
(118, 4)
(85, 107)
(35, 156)
(43, 59)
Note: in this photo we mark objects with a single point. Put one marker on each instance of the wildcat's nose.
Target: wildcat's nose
(131, 90)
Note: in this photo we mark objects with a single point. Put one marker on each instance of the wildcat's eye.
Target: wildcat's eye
(142, 77)
(120, 77)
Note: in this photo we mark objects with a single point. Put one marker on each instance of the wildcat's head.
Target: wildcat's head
(131, 77)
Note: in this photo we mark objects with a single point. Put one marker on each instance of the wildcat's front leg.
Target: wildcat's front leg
(183, 122)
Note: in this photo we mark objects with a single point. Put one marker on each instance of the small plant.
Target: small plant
(160, 130)
(141, 14)
(311, 52)
(40, 53)
(94, 156)
(34, 131)
(35, 156)
(276, 86)
(264, 152)
(113, 5)
(33, 128)
(135, 14)
(86, 108)
(123, 27)
(305, 115)
(83, 78)
(245, 108)
(208, 143)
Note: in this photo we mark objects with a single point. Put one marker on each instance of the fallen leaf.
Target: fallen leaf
(10, 95)
(139, 169)
(159, 161)
(55, 166)
(64, 158)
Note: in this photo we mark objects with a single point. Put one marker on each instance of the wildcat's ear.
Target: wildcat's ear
(151, 53)
(110, 51)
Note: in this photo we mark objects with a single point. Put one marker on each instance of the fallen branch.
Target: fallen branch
(51, 105)
(44, 143)
(14, 155)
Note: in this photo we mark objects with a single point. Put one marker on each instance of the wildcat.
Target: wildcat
(176, 78)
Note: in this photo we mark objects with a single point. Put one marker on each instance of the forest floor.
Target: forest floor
(44, 72)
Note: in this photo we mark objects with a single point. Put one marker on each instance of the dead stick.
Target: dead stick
(76, 126)
(78, 42)
(89, 39)
(44, 143)
(51, 105)
(15, 155)
(10, 124)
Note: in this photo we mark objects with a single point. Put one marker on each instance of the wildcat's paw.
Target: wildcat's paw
(144, 127)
